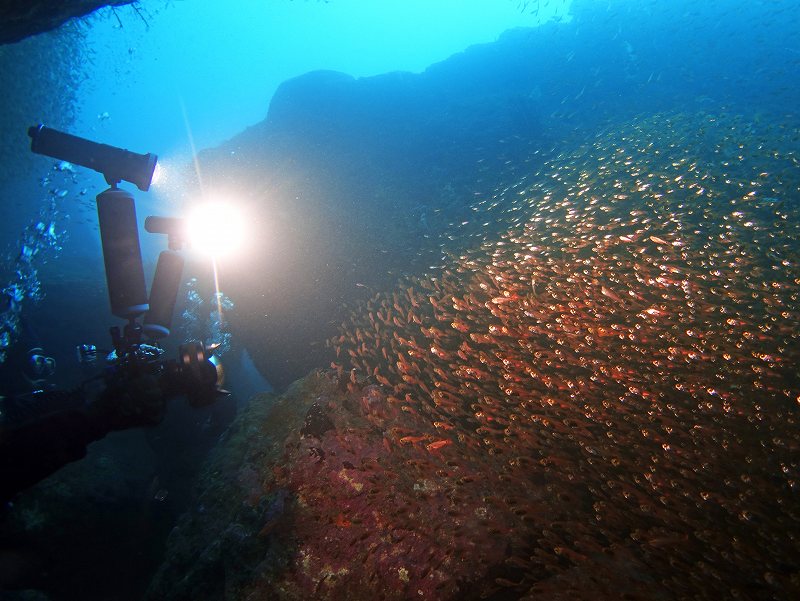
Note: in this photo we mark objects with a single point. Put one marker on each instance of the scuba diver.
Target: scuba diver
(42, 428)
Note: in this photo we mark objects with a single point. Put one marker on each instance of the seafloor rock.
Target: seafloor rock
(335, 492)
(20, 19)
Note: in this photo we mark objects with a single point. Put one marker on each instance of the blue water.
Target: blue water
(174, 78)
(431, 132)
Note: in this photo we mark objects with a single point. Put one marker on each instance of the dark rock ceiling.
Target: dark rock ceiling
(22, 18)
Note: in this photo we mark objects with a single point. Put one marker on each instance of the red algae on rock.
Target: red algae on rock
(360, 514)
(374, 515)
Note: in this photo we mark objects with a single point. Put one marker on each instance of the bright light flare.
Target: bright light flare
(158, 175)
(216, 229)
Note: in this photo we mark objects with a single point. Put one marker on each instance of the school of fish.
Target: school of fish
(623, 359)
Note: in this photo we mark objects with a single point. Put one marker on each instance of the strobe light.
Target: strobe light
(116, 164)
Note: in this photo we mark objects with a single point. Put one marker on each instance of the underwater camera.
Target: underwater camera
(196, 373)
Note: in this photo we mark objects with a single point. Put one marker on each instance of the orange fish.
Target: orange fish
(438, 444)
(610, 294)
(412, 439)
(342, 522)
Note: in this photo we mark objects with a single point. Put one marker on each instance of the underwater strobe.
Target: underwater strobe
(119, 235)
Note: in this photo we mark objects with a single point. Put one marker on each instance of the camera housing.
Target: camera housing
(196, 373)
